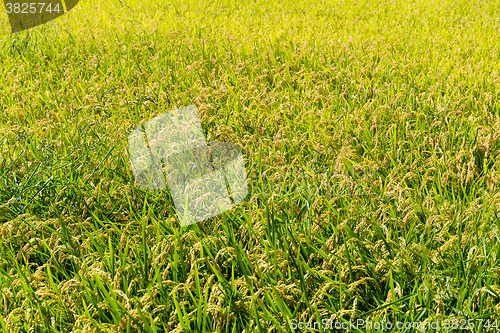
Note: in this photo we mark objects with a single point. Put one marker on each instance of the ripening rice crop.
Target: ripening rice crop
(371, 137)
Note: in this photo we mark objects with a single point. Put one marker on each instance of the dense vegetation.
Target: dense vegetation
(371, 134)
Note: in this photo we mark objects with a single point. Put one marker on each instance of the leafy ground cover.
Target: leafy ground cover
(371, 137)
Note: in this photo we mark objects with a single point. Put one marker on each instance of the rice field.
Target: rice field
(371, 136)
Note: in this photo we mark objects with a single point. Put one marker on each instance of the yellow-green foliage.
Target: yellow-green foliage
(371, 136)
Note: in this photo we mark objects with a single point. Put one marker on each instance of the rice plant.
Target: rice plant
(371, 137)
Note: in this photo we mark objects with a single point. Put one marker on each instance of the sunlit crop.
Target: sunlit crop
(371, 137)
